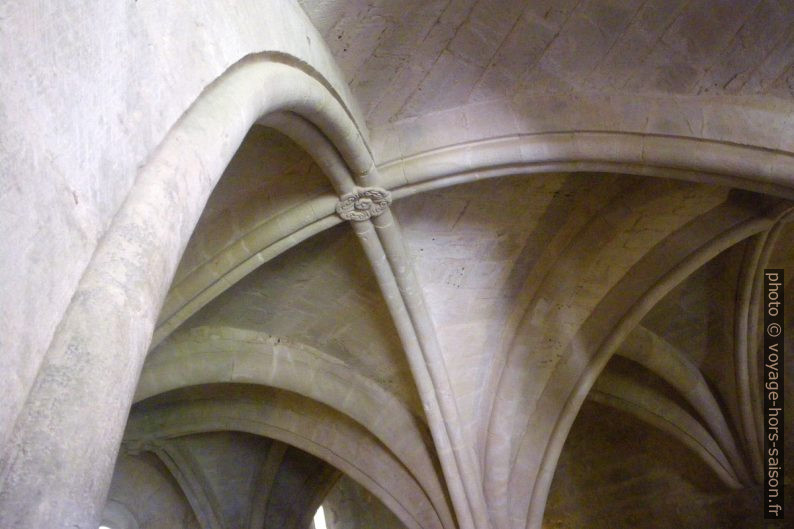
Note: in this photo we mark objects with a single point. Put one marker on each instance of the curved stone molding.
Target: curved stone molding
(174, 72)
(126, 283)
(267, 63)
(527, 467)
(662, 358)
(280, 363)
(648, 405)
(363, 203)
(718, 240)
(735, 137)
(118, 516)
(684, 158)
(339, 441)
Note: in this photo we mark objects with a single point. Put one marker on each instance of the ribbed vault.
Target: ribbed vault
(523, 277)
(430, 264)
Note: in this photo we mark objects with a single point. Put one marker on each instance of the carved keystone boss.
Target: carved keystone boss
(363, 203)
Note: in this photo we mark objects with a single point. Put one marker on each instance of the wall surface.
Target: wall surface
(88, 94)
(584, 194)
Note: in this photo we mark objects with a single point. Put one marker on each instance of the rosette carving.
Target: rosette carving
(363, 203)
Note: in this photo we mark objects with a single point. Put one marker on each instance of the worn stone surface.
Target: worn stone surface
(472, 50)
(651, 481)
(77, 131)
(348, 506)
(573, 187)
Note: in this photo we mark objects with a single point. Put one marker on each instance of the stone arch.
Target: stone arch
(211, 355)
(117, 516)
(126, 281)
(299, 422)
(695, 244)
(625, 152)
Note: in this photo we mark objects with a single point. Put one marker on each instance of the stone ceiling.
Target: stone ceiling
(522, 277)
(405, 59)
(511, 271)
(559, 206)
